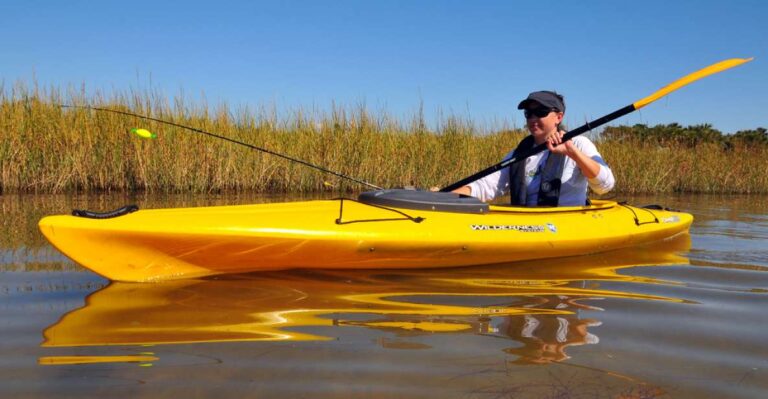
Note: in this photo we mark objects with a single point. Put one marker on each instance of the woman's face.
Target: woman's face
(541, 121)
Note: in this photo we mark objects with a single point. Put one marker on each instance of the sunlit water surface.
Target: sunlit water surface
(680, 319)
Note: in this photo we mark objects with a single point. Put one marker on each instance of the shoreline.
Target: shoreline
(47, 149)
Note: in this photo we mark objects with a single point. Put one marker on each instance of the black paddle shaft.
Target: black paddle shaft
(539, 148)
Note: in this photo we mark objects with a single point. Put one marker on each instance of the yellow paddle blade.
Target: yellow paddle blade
(143, 133)
(710, 70)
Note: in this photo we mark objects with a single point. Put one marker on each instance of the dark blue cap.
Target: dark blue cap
(549, 99)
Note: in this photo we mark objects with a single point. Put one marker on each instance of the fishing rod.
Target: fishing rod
(690, 78)
(146, 134)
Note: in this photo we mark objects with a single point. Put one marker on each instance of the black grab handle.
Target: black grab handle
(105, 215)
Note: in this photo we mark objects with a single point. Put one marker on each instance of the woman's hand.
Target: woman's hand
(556, 145)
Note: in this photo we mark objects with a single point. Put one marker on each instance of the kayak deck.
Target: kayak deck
(161, 244)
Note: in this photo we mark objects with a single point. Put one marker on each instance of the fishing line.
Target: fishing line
(146, 134)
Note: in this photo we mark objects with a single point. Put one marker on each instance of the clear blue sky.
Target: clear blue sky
(469, 58)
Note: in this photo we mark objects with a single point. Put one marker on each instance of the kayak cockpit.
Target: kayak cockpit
(424, 200)
(457, 203)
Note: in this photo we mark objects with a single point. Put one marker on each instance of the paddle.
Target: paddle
(710, 70)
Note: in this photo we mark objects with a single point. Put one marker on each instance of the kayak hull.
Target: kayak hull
(163, 244)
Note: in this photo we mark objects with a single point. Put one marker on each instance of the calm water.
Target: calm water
(685, 318)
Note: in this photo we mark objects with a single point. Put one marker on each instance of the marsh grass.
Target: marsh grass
(45, 148)
(647, 167)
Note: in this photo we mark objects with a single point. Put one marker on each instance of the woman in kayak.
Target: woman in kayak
(557, 177)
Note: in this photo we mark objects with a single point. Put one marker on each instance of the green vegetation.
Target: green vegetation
(48, 149)
(693, 159)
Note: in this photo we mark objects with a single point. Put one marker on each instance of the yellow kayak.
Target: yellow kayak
(381, 229)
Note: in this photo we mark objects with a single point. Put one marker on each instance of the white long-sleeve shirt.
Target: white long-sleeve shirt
(573, 189)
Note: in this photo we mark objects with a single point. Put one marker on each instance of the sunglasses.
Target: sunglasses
(537, 112)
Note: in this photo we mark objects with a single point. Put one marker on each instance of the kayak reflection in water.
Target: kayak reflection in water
(558, 176)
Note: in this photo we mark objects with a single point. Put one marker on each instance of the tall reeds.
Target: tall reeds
(48, 149)
(708, 168)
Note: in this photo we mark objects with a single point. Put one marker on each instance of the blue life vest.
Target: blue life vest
(551, 178)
